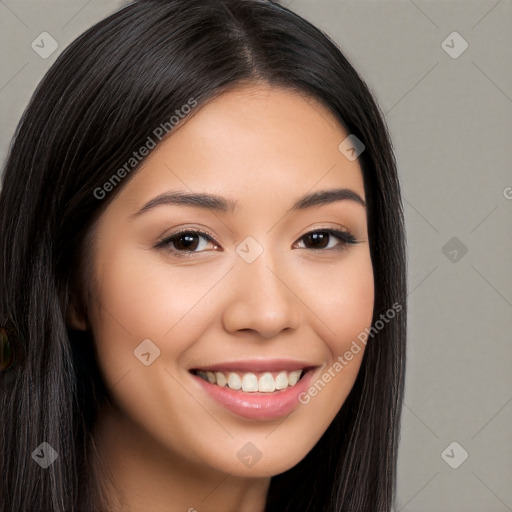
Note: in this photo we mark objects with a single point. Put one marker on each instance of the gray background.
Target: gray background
(450, 120)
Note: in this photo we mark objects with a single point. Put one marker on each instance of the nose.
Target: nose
(262, 300)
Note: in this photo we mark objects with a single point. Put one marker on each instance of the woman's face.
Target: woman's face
(262, 289)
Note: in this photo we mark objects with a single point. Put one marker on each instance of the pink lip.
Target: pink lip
(259, 406)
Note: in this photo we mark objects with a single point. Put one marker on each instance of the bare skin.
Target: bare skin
(168, 445)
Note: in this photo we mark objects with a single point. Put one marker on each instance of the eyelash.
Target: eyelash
(345, 237)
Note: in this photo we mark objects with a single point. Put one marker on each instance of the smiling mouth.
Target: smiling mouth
(253, 382)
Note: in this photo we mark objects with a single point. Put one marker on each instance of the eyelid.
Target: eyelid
(188, 229)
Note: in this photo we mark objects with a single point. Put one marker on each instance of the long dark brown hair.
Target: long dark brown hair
(99, 102)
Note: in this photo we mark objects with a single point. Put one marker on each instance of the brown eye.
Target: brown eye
(186, 242)
(321, 239)
(318, 240)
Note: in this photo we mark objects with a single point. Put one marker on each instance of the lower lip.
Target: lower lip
(258, 406)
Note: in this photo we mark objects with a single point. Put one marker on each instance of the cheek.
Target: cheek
(344, 307)
(139, 300)
(142, 298)
(353, 311)
(341, 298)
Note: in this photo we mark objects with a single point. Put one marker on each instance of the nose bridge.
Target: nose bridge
(261, 300)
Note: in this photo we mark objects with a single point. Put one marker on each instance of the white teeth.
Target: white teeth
(249, 382)
(234, 381)
(252, 382)
(221, 379)
(266, 383)
(282, 380)
(293, 377)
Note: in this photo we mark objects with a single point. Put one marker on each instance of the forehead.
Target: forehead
(251, 143)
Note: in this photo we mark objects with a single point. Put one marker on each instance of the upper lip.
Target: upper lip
(257, 365)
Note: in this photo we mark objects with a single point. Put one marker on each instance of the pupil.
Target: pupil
(319, 237)
(189, 240)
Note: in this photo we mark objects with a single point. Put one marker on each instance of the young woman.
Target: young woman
(203, 272)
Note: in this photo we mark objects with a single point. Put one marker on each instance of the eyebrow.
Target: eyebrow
(222, 204)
